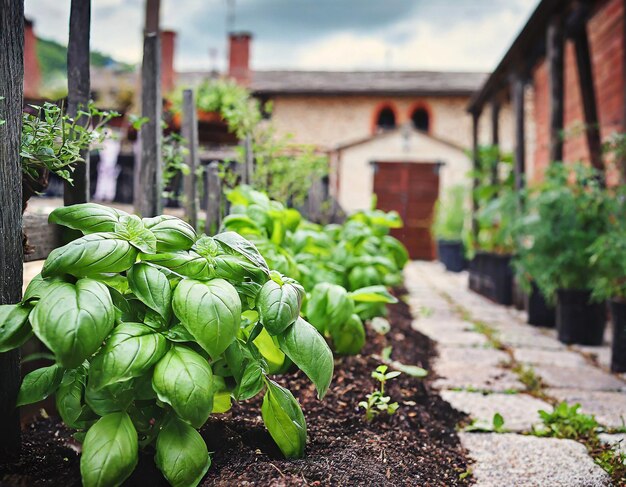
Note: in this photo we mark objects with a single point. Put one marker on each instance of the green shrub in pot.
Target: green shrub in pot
(450, 214)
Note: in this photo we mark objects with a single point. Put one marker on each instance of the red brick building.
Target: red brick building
(568, 61)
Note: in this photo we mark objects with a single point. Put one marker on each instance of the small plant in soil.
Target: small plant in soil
(377, 402)
(566, 422)
(496, 426)
(153, 329)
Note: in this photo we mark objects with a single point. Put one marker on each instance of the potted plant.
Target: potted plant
(448, 228)
(493, 244)
(564, 217)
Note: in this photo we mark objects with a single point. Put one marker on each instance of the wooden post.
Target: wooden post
(11, 255)
(517, 90)
(190, 133)
(249, 162)
(212, 199)
(554, 52)
(476, 162)
(78, 93)
(148, 198)
(495, 134)
(588, 96)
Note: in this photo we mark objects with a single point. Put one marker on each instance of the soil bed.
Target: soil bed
(416, 446)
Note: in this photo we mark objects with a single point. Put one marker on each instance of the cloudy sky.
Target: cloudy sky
(309, 34)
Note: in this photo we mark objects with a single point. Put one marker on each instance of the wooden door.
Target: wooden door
(411, 189)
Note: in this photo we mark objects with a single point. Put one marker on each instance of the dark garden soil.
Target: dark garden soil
(417, 446)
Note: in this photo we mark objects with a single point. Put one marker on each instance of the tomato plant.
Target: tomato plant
(153, 329)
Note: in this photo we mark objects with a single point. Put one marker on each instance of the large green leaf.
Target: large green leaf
(181, 454)
(237, 268)
(39, 286)
(373, 294)
(211, 311)
(131, 228)
(152, 288)
(129, 352)
(234, 242)
(72, 320)
(89, 255)
(110, 451)
(184, 380)
(87, 217)
(14, 327)
(69, 396)
(309, 351)
(349, 336)
(279, 304)
(171, 233)
(183, 262)
(251, 381)
(284, 420)
(112, 398)
(328, 306)
(39, 384)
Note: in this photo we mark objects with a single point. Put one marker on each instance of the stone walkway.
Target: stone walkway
(481, 380)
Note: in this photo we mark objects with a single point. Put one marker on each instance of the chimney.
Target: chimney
(32, 73)
(168, 75)
(239, 57)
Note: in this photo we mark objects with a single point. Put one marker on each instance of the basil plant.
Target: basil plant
(153, 330)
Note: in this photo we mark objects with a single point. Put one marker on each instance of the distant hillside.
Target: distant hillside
(53, 60)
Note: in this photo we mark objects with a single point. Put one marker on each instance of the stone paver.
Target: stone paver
(548, 357)
(602, 355)
(584, 377)
(609, 408)
(525, 461)
(530, 339)
(518, 410)
(436, 326)
(459, 338)
(473, 356)
(482, 378)
(618, 441)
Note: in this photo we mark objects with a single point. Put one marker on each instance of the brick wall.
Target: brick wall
(605, 41)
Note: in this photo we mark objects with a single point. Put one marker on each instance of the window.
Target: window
(421, 119)
(386, 119)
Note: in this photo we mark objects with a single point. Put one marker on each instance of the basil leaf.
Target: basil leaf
(251, 382)
(178, 333)
(14, 327)
(211, 311)
(183, 262)
(184, 380)
(181, 454)
(131, 228)
(109, 399)
(69, 396)
(279, 305)
(349, 336)
(207, 247)
(87, 217)
(329, 305)
(39, 384)
(91, 254)
(271, 352)
(237, 268)
(373, 294)
(129, 351)
(72, 320)
(171, 233)
(39, 286)
(236, 243)
(152, 288)
(284, 420)
(110, 451)
(302, 343)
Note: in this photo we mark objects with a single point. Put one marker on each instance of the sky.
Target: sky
(461, 35)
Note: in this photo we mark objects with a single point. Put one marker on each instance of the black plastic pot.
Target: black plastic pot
(540, 313)
(451, 254)
(491, 275)
(578, 320)
(618, 352)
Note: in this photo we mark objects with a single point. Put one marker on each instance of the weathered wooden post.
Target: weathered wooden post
(78, 89)
(212, 198)
(495, 135)
(554, 54)
(148, 197)
(11, 255)
(190, 133)
(249, 159)
(475, 165)
(517, 92)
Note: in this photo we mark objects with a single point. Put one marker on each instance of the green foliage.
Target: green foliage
(153, 329)
(496, 425)
(52, 140)
(563, 217)
(376, 402)
(566, 422)
(450, 213)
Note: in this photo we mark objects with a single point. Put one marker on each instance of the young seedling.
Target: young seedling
(377, 402)
(496, 426)
(566, 422)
